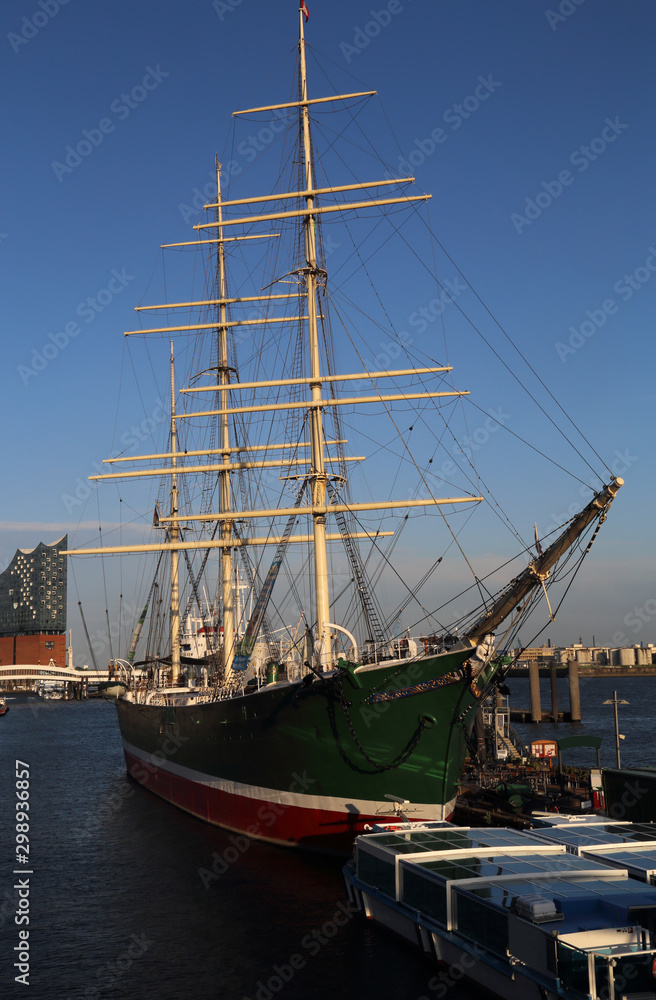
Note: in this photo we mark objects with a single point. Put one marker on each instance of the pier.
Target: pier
(535, 713)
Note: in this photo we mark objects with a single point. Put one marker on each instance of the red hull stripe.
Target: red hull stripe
(319, 823)
(295, 795)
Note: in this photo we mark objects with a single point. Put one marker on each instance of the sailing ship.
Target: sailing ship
(302, 737)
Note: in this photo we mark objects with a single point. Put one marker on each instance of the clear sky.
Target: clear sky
(534, 128)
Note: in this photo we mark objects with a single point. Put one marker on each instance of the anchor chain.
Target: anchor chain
(337, 684)
(470, 743)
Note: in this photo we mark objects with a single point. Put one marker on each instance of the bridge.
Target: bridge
(34, 672)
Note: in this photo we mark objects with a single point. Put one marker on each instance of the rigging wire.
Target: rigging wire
(426, 223)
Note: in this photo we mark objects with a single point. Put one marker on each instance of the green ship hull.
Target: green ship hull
(312, 763)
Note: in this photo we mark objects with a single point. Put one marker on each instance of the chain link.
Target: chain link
(337, 683)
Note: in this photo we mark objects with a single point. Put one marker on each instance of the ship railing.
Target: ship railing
(405, 647)
(518, 742)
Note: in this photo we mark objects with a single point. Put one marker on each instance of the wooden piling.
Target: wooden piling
(534, 684)
(574, 694)
(554, 693)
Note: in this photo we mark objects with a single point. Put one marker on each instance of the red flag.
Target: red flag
(305, 10)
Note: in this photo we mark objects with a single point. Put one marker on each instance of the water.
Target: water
(636, 720)
(116, 868)
(124, 903)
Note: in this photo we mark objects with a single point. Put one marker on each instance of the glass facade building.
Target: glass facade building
(33, 591)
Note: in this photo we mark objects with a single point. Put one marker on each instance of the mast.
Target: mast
(317, 478)
(174, 535)
(227, 592)
(137, 632)
(538, 570)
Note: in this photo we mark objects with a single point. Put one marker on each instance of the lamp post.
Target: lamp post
(614, 701)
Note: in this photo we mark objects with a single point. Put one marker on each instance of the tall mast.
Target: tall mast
(318, 476)
(224, 476)
(174, 535)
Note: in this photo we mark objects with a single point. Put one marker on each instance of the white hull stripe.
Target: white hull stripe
(326, 803)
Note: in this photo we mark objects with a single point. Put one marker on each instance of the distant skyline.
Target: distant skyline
(533, 125)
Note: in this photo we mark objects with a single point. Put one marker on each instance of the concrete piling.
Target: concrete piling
(574, 693)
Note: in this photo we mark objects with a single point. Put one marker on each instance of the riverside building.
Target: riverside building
(33, 606)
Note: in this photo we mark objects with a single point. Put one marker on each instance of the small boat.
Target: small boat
(4, 707)
(521, 917)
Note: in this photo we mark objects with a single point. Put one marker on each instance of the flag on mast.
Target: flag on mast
(537, 541)
(305, 10)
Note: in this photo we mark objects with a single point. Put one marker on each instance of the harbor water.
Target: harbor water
(636, 720)
(132, 898)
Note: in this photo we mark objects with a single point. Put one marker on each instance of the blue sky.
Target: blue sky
(533, 127)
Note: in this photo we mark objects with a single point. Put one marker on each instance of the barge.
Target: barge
(522, 918)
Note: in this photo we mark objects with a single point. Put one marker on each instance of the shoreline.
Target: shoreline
(590, 671)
